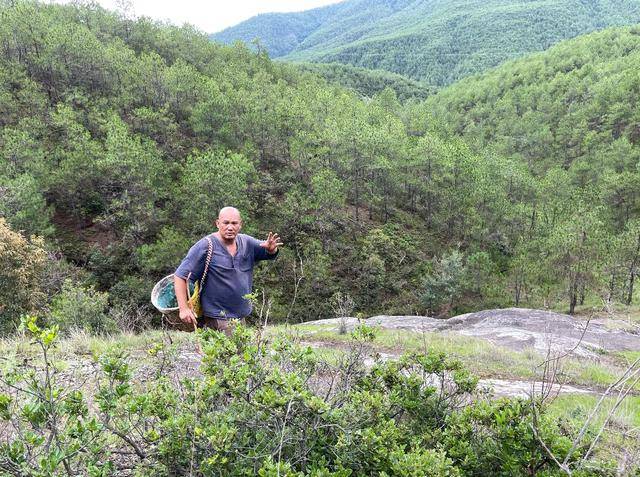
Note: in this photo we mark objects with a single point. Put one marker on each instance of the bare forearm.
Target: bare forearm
(180, 285)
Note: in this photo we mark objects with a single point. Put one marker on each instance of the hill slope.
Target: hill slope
(574, 106)
(367, 82)
(437, 41)
(119, 140)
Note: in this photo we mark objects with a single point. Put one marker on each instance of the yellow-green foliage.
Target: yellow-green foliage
(22, 263)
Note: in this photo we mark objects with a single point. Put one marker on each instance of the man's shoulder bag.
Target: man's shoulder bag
(194, 298)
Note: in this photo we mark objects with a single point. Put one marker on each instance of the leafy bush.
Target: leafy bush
(166, 253)
(266, 406)
(50, 428)
(445, 283)
(130, 307)
(80, 306)
(274, 408)
(22, 267)
(22, 203)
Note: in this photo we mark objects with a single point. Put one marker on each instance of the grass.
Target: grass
(579, 407)
(622, 435)
(629, 356)
(484, 359)
(82, 345)
(619, 316)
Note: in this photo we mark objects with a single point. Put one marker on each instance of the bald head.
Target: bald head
(229, 212)
(229, 224)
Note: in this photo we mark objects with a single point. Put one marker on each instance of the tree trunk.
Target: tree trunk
(633, 272)
(612, 287)
(573, 300)
(573, 296)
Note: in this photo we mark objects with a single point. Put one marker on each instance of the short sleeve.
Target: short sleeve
(192, 265)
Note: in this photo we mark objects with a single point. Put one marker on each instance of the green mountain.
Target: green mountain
(570, 116)
(436, 41)
(573, 106)
(120, 140)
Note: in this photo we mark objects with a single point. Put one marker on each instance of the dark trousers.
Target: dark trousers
(226, 326)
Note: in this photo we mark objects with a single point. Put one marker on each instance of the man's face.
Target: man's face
(229, 225)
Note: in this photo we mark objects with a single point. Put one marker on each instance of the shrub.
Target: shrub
(131, 290)
(165, 254)
(269, 407)
(80, 306)
(22, 266)
(49, 429)
(22, 202)
(444, 284)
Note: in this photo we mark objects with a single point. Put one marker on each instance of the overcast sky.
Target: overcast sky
(212, 16)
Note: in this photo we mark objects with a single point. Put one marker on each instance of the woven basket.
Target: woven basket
(171, 315)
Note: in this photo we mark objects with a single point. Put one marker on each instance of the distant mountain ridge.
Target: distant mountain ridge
(287, 30)
(436, 41)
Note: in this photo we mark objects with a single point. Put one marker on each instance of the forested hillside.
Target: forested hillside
(368, 82)
(279, 33)
(436, 41)
(570, 116)
(121, 139)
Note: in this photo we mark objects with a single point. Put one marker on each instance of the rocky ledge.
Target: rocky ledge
(516, 328)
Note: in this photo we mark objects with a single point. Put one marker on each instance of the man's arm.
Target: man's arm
(186, 313)
(191, 267)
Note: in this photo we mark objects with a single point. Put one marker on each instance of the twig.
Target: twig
(284, 424)
(138, 450)
(585, 426)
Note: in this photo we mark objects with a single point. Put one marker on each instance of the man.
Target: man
(230, 274)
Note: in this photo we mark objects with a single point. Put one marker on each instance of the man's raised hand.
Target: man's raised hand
(272, 243)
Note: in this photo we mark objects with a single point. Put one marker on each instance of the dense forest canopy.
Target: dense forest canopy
(570, 115)
(574, 105)
(279, 33)
(436, 41)
(121, 139)
(368, 82)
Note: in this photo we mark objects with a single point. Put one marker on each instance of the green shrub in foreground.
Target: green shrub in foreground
(269, 407)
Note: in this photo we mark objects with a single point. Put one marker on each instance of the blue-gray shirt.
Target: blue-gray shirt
(229, 278)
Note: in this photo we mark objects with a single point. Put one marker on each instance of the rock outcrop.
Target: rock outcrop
(516, 328)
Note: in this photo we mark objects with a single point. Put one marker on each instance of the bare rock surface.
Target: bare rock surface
(515, 328)
(526, 389)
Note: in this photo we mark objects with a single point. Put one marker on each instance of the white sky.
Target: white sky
(213, 15)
